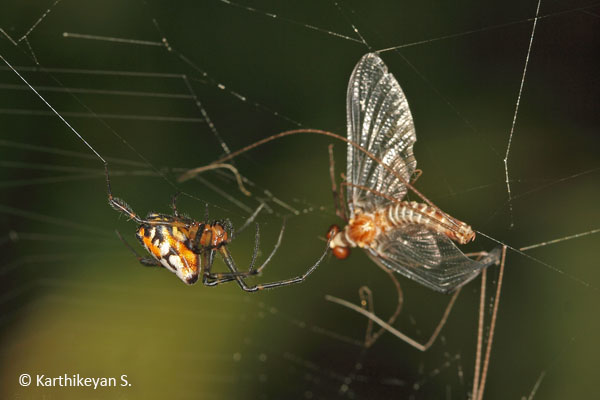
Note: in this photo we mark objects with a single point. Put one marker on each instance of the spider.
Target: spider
(187, 247)
(177, 242)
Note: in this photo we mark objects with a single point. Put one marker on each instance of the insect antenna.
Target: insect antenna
(191, 173)
(338, 197)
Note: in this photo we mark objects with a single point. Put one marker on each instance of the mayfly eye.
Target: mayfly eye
(341, 252)
(333, 230)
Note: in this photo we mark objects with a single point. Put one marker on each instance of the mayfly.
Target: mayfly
(414, 239)
(411, 238)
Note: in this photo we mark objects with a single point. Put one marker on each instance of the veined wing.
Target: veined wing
(428, 257)
(379, 120)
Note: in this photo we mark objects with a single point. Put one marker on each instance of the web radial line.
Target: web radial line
(66, 153)
(4, 209)
(489, 28)
(102, 121)
(94, 72)
(448, 103)
(157, 118)
(207, 119)
(562, 239)
(545, 264)
(50, 180)
(53, 110)
(59, 89)
(112, 39)
(40, 19)
(514, 121)
(10, 39)
(164, 43)
(354, 28)
(33, 56)
(538, 382)
(291, 21)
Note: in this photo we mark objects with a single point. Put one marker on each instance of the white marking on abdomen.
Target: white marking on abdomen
(164, 248)
(175, 261)
(166, 264)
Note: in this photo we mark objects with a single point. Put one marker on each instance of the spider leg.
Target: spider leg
(249, 220)
(366, 308)
(367, 304)
(206, 212)
(207, 261)
(213, 279)
(338, 197)
(210, 279)
(286, 282)
(275, 248)
(255, 251)
(369, 313)
(480, 372)
(367, 301)
(394, 331)
(146, 261)
(174, 204)
(117, 203)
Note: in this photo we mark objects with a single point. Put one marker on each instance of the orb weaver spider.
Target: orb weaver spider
(177, 242)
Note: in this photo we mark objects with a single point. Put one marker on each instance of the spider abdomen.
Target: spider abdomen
(170, 246)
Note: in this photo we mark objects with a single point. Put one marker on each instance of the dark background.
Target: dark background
(74, 300)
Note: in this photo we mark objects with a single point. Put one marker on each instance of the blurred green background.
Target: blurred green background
(75, 301)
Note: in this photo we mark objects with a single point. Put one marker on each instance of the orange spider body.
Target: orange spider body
(176, 243)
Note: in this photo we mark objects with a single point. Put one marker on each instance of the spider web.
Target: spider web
(505, 106)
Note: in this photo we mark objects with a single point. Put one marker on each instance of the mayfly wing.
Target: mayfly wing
(427, 257)
(379, 120)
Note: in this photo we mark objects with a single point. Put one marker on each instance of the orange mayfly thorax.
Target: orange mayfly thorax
(362, 229)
